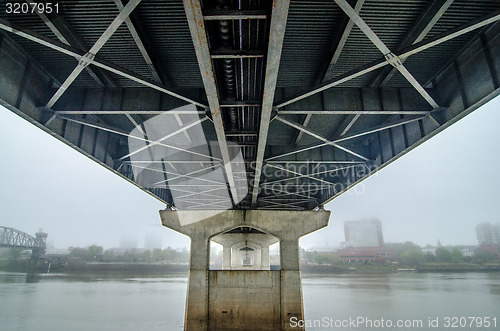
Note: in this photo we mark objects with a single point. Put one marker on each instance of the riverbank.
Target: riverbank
(104, 268)
(128, 268)
(93, 268)
(374, 268)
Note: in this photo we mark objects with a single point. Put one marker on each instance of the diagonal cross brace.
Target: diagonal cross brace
(87, 58)
(390, 57)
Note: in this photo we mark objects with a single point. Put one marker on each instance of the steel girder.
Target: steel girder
(344, 131)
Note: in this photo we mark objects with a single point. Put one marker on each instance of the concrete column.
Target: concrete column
(197, 290)
(236, 303)
(291, 284)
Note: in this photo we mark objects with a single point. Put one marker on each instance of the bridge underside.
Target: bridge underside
(303, 99)
(245, 105)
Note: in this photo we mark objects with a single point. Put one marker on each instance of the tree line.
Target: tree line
(132, 255)
(408, 254)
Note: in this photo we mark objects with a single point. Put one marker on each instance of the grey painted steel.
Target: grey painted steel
(10, 237)
(277, 34)
(128, 135)
(227, 14)
(459, 67)
(334, 142)
(60, 47)
(171, 134)
(126, 112)
(317, 136)
(84, 61)
(65, 35)
(411, 50)
(390, 57)
(352, 112)
(199, 36)
(427, 21)
(139, 43)
(336, 54)
(345, 34)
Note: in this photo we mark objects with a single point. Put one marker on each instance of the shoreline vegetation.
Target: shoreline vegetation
(406, 257)
(157, 269)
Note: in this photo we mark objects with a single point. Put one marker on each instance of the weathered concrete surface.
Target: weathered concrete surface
(210, 293)
(237, 299)
(232, 242)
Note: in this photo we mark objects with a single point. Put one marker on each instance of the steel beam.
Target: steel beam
(126, 112)
(170, 135)
(430, 17)
(108, 128)
(352, 112)
(278, 204)
(177, 174)
(340, 43)
(276, 36)
(139, 43)
(198, 35)
(300, 175)
(390, 57)
(319, 137)
(86, 59)
(230, 14)
(285, 193)
(379, 128)
(191, 173)
(235, 54)
(172, 161)
(66, 35)
(315, 161)
(68, 50)
(411, 50)
(336, 54)
(351, 119)
(236, 103)
(352, 136)
(205, 193)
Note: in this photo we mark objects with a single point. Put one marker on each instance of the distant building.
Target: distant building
(490, 249)
(364, 242)
(153, 241)
(365, 254)
(320, 249)
(367, 233)
(488, 234)
(467, 251)
(428, 249)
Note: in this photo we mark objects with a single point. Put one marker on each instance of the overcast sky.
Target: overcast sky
(440, 190)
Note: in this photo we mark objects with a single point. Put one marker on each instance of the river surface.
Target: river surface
(338, 302)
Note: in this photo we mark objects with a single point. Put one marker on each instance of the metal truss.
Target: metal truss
(402, 129)
(111, 67)
(276, 36)
(405, 53)
(10, 237)
(85, 60)
(199, 36)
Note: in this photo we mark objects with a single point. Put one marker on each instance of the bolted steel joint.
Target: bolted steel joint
(86, 59)
(393, 60)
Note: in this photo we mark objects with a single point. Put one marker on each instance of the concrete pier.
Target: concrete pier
(245, 295)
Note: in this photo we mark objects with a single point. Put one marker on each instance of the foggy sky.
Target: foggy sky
(440, 190)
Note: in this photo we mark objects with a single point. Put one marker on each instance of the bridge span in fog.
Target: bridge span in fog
(246, 117)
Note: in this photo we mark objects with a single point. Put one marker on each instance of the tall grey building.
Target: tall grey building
(488, 234)
(365, 233)
(153, 241)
